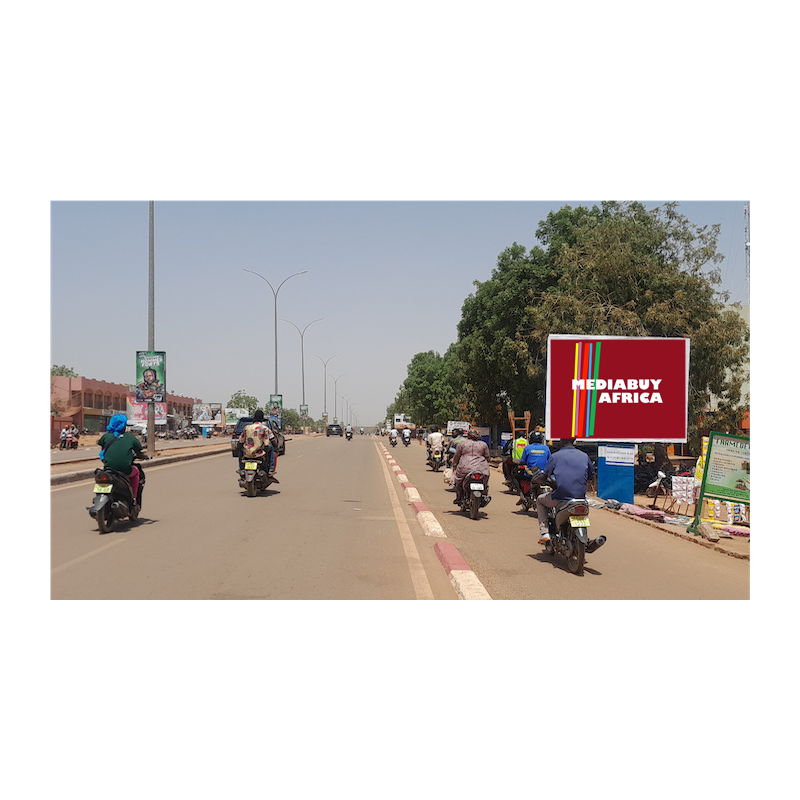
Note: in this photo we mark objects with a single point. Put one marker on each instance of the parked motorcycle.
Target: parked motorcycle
(113, 499)
(254, 475)
(568, 523)
(474, 494)
(436, 458)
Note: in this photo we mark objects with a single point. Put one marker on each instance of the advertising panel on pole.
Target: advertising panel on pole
(151, 376)
(455, 424)
(617, 388)
(137, 412)
(304, 413)
(276, 407)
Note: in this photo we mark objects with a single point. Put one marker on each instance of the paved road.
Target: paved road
(338, 527)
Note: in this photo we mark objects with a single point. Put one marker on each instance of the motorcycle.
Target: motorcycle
(254, 475)
(348, 435)
(113, 498)
(474, 494)
(406, 440)
(568, 523)
(522, 482)
(436, 458)
(393, 441)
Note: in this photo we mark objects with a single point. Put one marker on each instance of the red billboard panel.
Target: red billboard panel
(617, 388)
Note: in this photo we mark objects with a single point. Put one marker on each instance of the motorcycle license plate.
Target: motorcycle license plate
(250, 465)
(476, 487)
(102, 488)
(579, 522)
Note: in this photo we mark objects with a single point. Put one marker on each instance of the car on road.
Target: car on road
(280, 446)
(334, 430)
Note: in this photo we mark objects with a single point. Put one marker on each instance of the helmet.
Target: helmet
(535, 437)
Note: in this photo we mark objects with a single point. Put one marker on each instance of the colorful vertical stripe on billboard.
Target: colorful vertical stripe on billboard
(584, 401)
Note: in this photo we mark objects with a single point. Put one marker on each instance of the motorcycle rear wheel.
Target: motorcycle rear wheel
(105, 519)
(250, 486)
(576, 560)
(474, 507)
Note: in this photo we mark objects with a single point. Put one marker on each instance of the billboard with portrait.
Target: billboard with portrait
(151, 376)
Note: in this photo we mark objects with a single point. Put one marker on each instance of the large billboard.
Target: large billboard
(207, 414)
(617, 388)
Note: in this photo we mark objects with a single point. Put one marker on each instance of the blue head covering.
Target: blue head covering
(116, 425)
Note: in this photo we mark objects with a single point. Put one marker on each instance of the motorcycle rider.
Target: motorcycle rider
(118, 449)
(348, 429)
(513, 452)
(536, 453)
(572, 469)
(472, 455)
(435, 439)
(393, 434)
(256, 439)
(63, 437)
(407, 434)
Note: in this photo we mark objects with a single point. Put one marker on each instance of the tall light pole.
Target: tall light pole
(335, 381)
(325, 399)
(345, 402)
(302, 353)
(151, 330)
(275, 295)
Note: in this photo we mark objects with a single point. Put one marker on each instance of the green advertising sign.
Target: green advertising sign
(726, 474)
(151, 376)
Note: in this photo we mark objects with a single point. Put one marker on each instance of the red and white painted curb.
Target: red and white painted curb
(464, 580)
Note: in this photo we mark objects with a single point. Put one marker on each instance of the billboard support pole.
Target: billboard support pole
(151, 336)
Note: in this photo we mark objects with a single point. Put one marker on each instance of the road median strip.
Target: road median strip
(88, 474)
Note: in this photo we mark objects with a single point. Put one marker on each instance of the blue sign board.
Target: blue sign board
(615, 471)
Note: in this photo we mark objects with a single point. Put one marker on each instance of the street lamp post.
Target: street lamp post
(335, 381)
(302, 353)
(275, 295)
(325, 398)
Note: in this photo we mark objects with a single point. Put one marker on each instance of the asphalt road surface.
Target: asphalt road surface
(338, 526)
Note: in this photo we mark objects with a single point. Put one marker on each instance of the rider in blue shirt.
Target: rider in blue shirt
(572, 469)
(536, 454)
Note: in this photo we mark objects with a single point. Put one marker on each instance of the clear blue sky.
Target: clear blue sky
(387, 279)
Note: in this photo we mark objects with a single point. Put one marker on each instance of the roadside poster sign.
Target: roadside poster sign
(726, 474)
(233, 415)
(617, 388)
(151, 376)
(276, 407)
(304, 413)
(453, 424)
(137, 412)
(207, 414)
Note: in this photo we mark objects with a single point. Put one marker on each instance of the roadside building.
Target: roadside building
(89, 403)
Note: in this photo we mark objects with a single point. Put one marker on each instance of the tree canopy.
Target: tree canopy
(241, 399)
(62, 371)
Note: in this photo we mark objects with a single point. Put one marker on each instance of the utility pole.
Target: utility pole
(151, 335)
(747, 247)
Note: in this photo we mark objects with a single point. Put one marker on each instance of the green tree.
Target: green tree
(63, 372)
(291, 419)
(429, 392)
(241, 399)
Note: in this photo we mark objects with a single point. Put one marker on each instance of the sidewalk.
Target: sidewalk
(736, 547)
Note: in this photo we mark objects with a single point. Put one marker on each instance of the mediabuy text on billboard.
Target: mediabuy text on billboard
(617, 388)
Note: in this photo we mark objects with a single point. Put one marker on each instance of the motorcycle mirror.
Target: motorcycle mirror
(661, 474)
